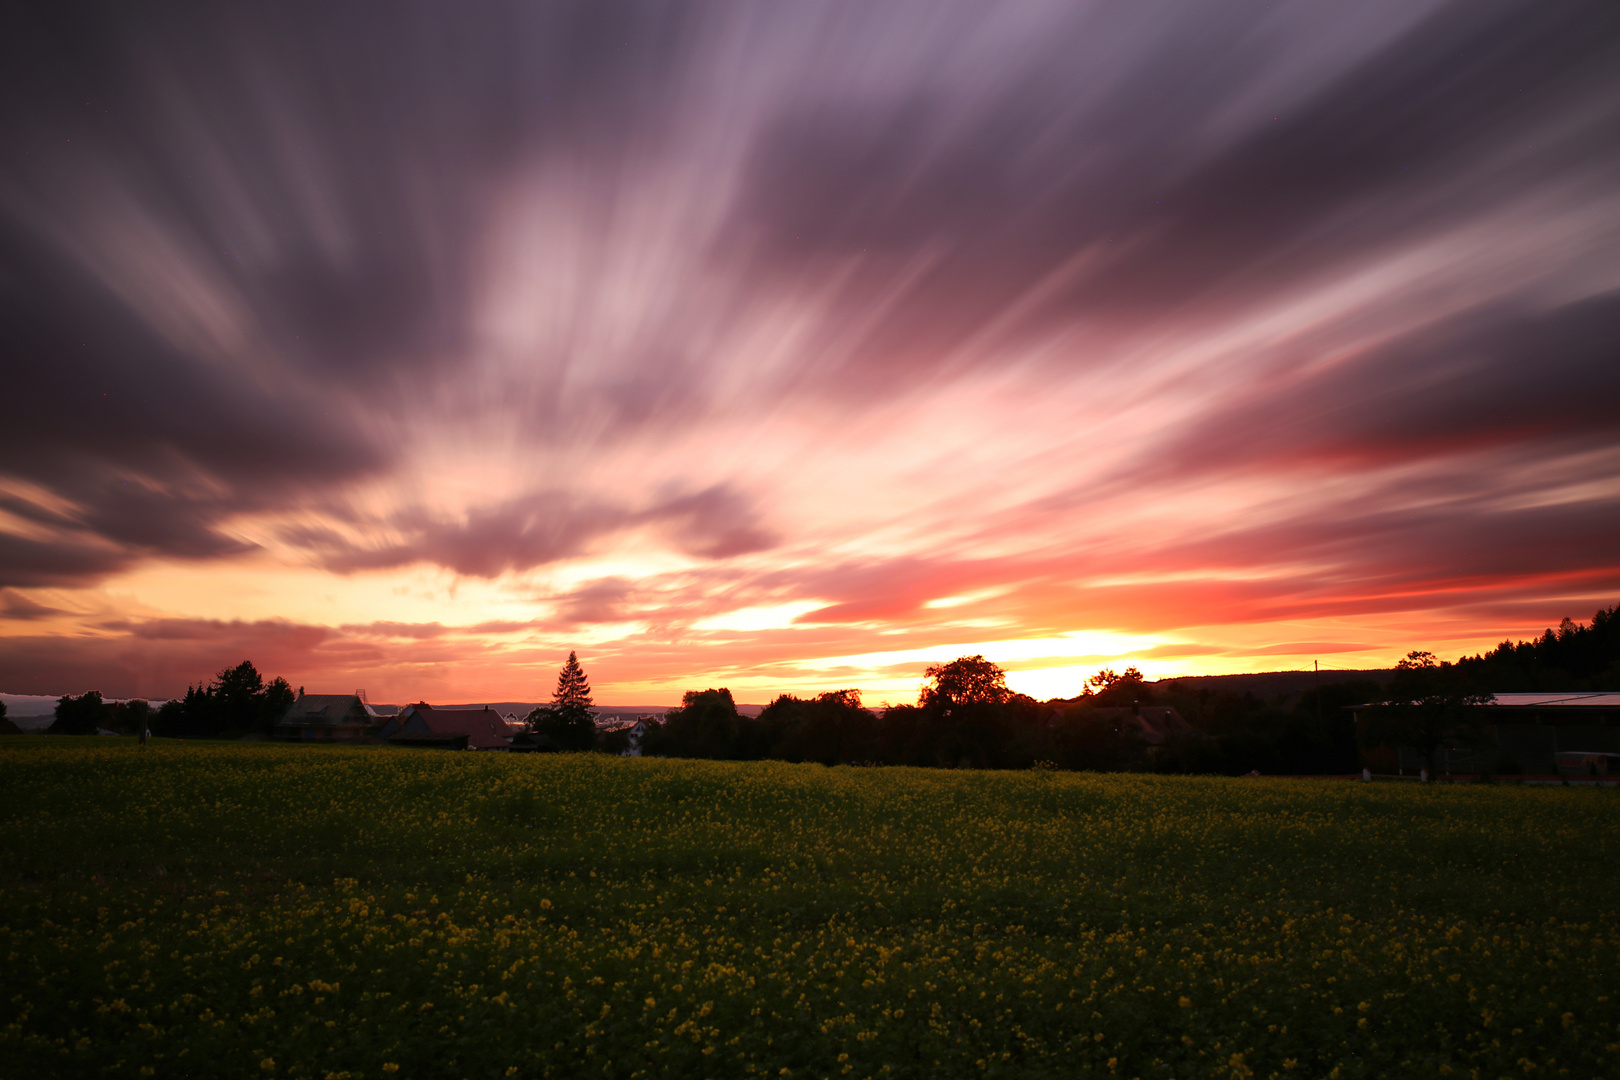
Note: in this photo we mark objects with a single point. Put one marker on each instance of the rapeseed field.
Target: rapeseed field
(267, 911)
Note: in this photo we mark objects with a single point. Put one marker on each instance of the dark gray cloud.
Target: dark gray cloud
(1473, 107)
(14, 605)
(539, 528)
(225, 233)
(1477, 382)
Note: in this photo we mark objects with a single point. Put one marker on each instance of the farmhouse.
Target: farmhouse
(631, 732)
(450, 729)
(328, 718)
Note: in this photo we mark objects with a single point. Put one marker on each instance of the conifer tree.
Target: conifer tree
(573, 694)
(568, 720)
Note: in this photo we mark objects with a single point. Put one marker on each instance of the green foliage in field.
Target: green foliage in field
(254, 910)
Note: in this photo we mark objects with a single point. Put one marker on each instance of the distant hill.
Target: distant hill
(1269, 684)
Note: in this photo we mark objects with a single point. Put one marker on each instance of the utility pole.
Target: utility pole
(1317, 665)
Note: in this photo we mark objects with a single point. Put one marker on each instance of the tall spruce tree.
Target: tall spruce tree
(569, 720)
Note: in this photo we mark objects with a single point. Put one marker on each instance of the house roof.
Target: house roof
(1603, 699)
(327, 709)
(1598, 700)
(485, 728)
(428, 738)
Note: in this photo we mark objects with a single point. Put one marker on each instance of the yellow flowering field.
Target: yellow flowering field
(258, 910)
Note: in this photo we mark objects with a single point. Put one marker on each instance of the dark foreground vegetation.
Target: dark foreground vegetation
(253, 909)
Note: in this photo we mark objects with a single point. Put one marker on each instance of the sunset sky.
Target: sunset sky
(795, 346)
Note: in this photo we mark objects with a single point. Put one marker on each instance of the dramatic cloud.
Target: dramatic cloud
(791, 345)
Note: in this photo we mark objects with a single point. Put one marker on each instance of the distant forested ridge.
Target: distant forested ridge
(1576, 656)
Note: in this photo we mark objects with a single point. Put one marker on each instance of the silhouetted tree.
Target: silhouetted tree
(966, 717)
(274, 702)
(196, 715)
(828, 728)
(1129, 688)
(80, 715)
(237, 695)
(965, 680)
(1428, 704)
(128, 717)
(237, 701)
(1576, 656)
(705, 726)
(568, 720)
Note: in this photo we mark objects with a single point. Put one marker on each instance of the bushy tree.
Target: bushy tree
(1127, 688)
(274, 701)
(964, 681)
(129, 717)
(829, 728)
(80, 715)
(705, 726)
(238, 693)
(238, 700)
(1428, 705)
(568, 720)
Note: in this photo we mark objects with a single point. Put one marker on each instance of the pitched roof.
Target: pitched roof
(1563, 701)
(328, 709)
(485, 728)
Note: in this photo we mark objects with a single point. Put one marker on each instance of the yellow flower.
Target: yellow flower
(268, 1064)
(390, 1067)
(1185, 1003)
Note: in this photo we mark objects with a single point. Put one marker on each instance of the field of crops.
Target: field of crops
(255, 910)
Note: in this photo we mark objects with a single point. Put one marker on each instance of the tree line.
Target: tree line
(966, 716)
(234, 703)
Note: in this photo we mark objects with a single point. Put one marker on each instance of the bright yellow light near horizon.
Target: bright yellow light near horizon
(762, 617)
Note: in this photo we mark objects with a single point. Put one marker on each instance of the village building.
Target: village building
(631, 733)
(449, 729)
(329, 718)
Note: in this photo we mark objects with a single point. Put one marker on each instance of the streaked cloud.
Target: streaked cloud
(792, 345)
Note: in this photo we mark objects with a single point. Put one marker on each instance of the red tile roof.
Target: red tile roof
(485, 728)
